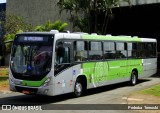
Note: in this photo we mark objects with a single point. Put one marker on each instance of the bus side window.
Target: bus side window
(109, 50)
(121, 51)
(95, 50)
(80, 52)
(132, 50)
(151, 50)
(62, 54)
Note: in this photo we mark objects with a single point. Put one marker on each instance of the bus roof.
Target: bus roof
(93, 36)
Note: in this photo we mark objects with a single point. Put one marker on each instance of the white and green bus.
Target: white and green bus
(54, 63)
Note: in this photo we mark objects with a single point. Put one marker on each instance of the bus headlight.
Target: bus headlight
(46, 83)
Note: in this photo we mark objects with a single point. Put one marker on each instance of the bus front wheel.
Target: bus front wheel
(78, 88)
(134, 78)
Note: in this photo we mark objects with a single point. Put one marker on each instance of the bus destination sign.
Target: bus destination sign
(33, 38)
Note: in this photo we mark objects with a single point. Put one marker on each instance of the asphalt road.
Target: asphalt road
(108, 95)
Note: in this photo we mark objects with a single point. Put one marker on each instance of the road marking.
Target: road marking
(87, 100)
(124, 103)
(133, 99)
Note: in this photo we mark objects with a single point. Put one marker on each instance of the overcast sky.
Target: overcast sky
(2, 1)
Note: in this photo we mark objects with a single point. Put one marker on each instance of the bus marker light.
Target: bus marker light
(71, 82)
(45, 91)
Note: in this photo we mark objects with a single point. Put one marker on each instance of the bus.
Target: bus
(54, 63)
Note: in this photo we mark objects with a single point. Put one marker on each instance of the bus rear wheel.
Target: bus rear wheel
(134, 78)
(78, 88)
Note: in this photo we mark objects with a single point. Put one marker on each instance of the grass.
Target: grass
(4, 77)
(155, 90)
(4, 72)
(4, 81)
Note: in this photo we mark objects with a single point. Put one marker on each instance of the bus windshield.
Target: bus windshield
(31, 59)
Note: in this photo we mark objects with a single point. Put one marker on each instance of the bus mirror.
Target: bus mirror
(60, 51)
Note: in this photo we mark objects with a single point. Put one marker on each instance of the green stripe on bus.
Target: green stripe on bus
(114, 38)
(33, 83)
(110, 70)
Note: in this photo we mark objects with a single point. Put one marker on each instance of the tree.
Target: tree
(58, 25)
(20, 27)
(88, 8)
(75, 7)
(11, 25)
(108, 5)
(14, 23)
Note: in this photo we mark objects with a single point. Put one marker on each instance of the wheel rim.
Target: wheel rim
(133, 78)
(78, 88)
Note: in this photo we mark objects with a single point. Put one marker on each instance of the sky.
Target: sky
(2, 1)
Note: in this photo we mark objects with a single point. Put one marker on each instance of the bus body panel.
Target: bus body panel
(149, 67)
(98, 73)
(110, 72)
(63, 82)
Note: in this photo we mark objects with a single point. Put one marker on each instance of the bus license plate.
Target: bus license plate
(25, 92)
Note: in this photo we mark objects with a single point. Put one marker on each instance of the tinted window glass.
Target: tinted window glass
(120, 46)
(121, 50)
(109, 50)
(80, 52)
(95, 52)
(109, 46)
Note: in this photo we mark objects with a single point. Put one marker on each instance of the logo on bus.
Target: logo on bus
(100, 73)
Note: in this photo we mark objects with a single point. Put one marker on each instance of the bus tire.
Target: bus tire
(78, 88)
(134, 78)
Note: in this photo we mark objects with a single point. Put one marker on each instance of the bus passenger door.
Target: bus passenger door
(63, 69)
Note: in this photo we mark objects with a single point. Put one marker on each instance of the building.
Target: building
(140, 18)
(37, 12)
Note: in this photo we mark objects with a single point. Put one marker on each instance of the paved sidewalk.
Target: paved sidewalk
(5, 92)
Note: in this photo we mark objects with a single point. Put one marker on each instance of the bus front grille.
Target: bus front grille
(26, 90)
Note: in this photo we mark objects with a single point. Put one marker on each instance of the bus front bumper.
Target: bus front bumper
(32, 90)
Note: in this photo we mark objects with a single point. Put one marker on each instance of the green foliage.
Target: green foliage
(10, 33)
(3, 73)
(58, 25)
(14, 23)
(81, 24)
(40, 28)
(9, 37)
(76, 7)
(11, 25)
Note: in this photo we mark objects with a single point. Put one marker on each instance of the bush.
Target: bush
(58, 25)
